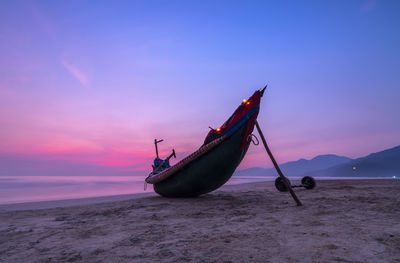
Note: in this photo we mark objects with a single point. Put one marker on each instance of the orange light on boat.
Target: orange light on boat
(218, 130)
(244, 101)
(248, 103)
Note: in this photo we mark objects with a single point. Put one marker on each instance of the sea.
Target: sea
(21, 189)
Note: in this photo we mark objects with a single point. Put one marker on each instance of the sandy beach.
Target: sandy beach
(341, 221)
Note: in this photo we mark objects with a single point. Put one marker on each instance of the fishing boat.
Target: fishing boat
(214, 162)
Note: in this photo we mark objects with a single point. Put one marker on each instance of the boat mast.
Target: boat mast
(155, 143)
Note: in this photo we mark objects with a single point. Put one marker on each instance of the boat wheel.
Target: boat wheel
(308, 182)
(280, 185)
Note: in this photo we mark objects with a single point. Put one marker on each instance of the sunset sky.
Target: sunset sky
(86, 86)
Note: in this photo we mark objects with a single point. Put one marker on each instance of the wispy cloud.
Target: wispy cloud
(78, 74)
(368, 6)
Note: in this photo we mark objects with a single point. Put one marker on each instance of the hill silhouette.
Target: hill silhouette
(380, 164)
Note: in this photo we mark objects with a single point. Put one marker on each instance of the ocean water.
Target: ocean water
(20, 189)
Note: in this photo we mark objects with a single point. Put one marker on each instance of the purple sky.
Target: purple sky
(88, 85)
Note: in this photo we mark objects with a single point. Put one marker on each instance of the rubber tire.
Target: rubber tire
(280, 185)
(308, 182)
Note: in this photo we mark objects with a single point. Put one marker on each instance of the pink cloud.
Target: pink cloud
(70, 145)
(78, 74)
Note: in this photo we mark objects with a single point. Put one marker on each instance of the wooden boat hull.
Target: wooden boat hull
(210, 171)
(214, 163)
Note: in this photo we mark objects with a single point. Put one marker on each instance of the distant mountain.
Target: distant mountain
(318, 163)
(299, 167)
(381, 164)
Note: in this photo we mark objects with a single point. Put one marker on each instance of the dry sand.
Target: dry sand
(341, 221)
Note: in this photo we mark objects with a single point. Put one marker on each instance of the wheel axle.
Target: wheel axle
(307, 182)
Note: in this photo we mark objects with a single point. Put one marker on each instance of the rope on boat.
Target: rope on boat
(156, 178)
(250, 139)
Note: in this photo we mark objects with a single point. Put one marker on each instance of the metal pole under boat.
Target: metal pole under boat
(284, 179)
